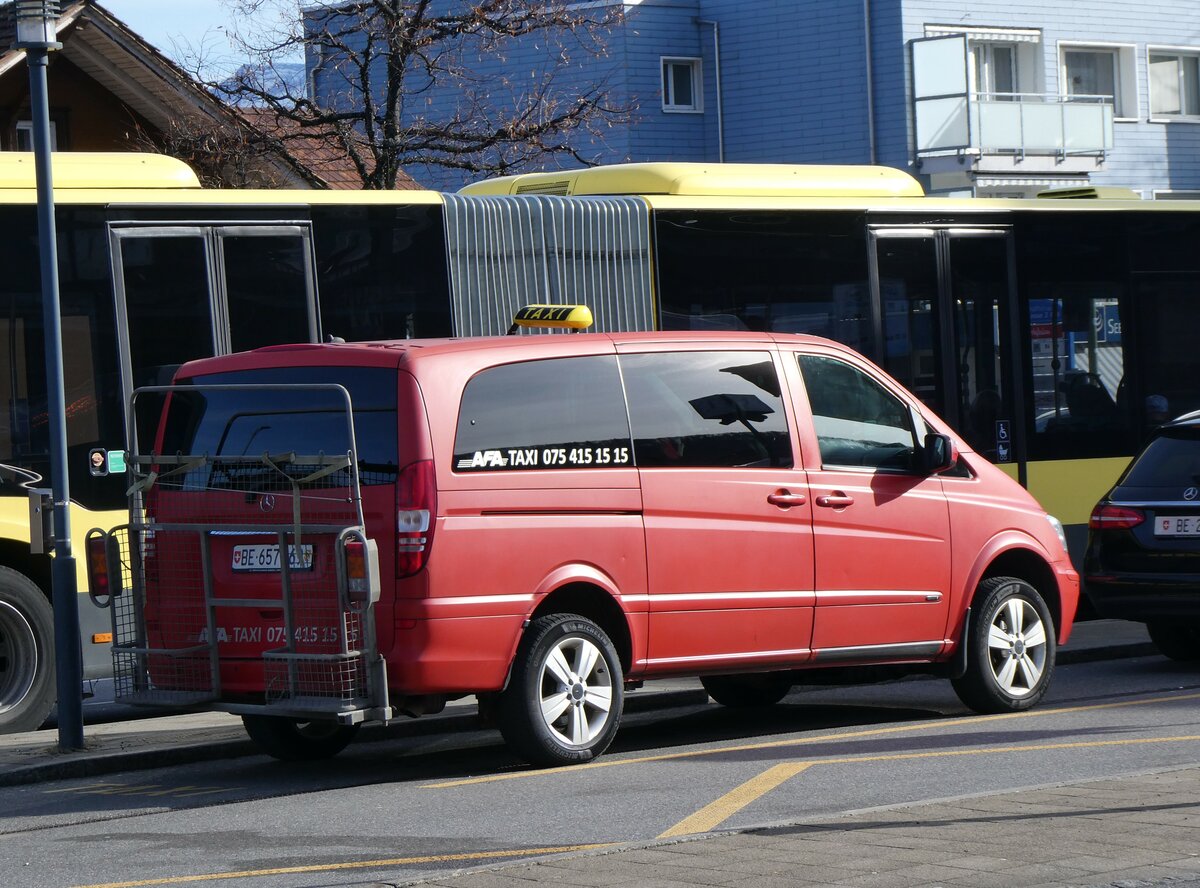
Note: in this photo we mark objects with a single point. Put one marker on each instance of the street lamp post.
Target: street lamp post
(37, 22)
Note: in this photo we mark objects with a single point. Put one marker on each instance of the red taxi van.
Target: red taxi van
(545, 521)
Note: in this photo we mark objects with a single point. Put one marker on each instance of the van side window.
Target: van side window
(560, 413)
(706, 409)
(858, 422)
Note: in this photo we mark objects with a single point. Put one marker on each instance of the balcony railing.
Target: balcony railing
(1014, 123)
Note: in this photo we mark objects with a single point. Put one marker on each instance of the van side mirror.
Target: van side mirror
(940, 453)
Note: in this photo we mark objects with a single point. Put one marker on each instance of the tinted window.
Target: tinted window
(89, 347)
(792, 272)
(1166, 316)
(1170, 460)
(266, 282)
(168, 310)
(858, 422)
(382, 272)
(304, 421)
(564, 413)
(1073, 320)
(706, 409)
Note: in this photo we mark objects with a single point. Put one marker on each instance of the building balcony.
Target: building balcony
(1013, 132)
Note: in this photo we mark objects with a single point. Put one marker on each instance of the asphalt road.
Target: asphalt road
(399, 811)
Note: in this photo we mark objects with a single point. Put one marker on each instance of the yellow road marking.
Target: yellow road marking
(712, 816)
(80, 788)
(119, 789)
(357, 864)
(143, 789)
(801, 741)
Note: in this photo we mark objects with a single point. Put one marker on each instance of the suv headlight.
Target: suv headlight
(1058, 530)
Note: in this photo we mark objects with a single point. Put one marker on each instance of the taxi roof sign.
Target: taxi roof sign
(570, 317)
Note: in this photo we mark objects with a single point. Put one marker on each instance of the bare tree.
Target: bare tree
(386, 71)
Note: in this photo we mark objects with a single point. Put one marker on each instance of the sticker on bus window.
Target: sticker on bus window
(575, 456)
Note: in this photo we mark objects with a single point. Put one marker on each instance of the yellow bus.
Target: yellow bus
(1042, 328)
(1053, 332)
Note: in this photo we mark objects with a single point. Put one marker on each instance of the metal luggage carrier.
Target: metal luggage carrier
(167, 605)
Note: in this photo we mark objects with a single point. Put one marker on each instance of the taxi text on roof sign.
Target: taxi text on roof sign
(574, 317)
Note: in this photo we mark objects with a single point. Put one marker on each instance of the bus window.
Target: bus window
(167, 309)
(1167, 316)
(979, 290)
(90, 370)
(267, 289)
(1080, 401)
(382, 272)
(798, 272)
(908, 293)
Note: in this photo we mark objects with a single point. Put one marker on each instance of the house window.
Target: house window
(681, 85)
(1174, 84)
(995, 70)
(1101, 71)
(25, 135)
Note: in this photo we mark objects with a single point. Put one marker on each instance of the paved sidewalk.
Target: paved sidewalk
(1132, 832)
(177, 739)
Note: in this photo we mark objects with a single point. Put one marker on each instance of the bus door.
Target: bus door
(945, 299)
(187, 292)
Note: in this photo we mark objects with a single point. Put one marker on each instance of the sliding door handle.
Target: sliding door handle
(835, 501)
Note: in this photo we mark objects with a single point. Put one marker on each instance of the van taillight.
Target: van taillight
(362, 570)
(416, 508)
(356, 560)
(1109, 517)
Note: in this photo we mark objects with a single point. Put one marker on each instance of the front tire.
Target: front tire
(563, 702)
(1179, 641)
(747, 691)
(293, 740)
(27, 682)
(1010, 648)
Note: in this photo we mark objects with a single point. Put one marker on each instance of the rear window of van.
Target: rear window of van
(302, 421)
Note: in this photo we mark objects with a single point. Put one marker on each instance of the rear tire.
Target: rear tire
(563, 702)
(293, 740)
(1010, 648)
(27, 677)
(1179, 641)
(747, 691)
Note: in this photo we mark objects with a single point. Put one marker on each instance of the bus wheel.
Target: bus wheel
(293, 740)
(27, 683)
(563, 702)
(1010, 648)
(747, 691)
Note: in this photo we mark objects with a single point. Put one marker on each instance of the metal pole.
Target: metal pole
(65, 593)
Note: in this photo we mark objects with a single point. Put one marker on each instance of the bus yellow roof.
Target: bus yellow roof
(710, 179)
(88, 170)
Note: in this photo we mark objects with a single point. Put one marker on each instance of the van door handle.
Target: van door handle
(835, 501)
(786, 499)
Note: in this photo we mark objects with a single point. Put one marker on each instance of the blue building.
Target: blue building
(986, 97)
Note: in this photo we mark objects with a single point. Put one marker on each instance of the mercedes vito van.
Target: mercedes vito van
(323, 535)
